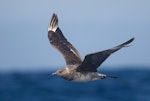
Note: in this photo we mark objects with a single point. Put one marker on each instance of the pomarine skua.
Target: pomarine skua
(78, 69)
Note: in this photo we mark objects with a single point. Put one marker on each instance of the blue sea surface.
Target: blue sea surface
(131, 85)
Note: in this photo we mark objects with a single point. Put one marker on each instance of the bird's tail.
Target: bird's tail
(53, 23)
(103, 76)
(108, 76)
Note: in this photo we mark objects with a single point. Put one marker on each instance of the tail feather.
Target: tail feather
(111, 76)
(103, 76)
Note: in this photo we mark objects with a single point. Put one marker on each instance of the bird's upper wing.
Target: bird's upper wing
(58, 40)
(92, 61)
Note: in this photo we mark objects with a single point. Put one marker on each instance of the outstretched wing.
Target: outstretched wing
(58, 40)
(94, 60)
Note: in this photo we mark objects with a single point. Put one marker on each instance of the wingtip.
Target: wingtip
(128, 42)
(53, 23)
(132, 39)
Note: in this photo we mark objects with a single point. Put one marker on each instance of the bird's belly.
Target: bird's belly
(84, 78)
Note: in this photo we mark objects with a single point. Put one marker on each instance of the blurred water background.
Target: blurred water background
(131, 85)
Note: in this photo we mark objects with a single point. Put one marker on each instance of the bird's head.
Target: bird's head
(59, 72)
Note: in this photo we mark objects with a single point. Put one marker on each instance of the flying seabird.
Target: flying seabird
(78, 69)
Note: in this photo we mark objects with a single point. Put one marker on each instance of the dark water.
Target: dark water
(132, 85)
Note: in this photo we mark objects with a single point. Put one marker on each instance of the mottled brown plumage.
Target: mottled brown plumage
(77, 69)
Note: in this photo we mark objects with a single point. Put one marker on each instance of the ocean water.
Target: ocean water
(131, 85)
